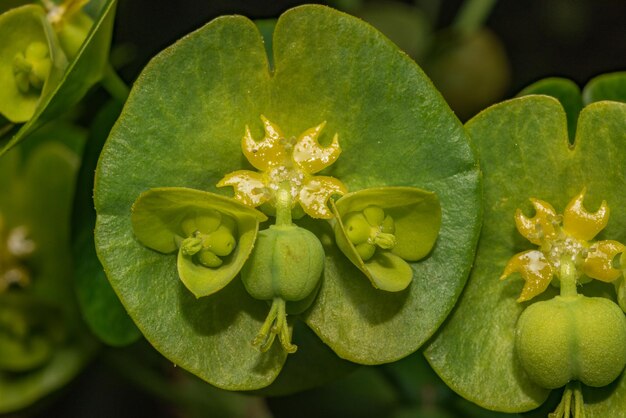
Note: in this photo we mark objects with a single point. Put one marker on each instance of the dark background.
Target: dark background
(576, 39)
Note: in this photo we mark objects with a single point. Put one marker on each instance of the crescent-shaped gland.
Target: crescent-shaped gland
(582, 224)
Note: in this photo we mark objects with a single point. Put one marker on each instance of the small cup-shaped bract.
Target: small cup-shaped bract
(381, 229)
(287, 262)
(31, 61)
(572, 338)
(213, 234)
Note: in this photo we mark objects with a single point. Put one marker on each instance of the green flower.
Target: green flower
(383, 130)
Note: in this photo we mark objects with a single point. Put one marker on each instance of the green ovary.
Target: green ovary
(370, 229)
(572, 338)
(285, 267)
(32, 67)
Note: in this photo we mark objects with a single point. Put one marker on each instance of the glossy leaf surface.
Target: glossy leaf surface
(524, 152)
(182, 127)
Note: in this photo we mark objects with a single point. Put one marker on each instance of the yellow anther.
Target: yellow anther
(580, 223)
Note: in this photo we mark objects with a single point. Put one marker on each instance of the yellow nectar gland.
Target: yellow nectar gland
(287, 163)
(565, 239)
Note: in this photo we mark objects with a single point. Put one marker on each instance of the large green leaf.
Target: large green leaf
(524, 152)
(182, 126)
(86, 69)
(566, 92)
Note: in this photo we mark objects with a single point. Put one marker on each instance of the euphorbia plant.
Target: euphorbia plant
(366, 277)
(550, 336)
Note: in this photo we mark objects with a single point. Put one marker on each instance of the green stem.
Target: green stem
(283, 207)
(568, 277)
(579, 411)
(472, 15)
(275, 325)
(112, 83)
(261, 339)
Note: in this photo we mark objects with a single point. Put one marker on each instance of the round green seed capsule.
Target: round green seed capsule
(369, 229)
(287, 262)
(210, 221)
(572, 338)
(365, 250)
(374, 215)
(357, 228)
(208, 259)
(221, 241)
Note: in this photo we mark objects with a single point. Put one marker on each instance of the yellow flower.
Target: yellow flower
(287, 164)
(563, 239)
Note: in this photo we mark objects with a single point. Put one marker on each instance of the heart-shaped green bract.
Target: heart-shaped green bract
(610, 86)
(182, 126)
(85, 70)
(31, 197)
(100, 307)
(158, 216)
(416, 216)
(524, 152)
(566, 92)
